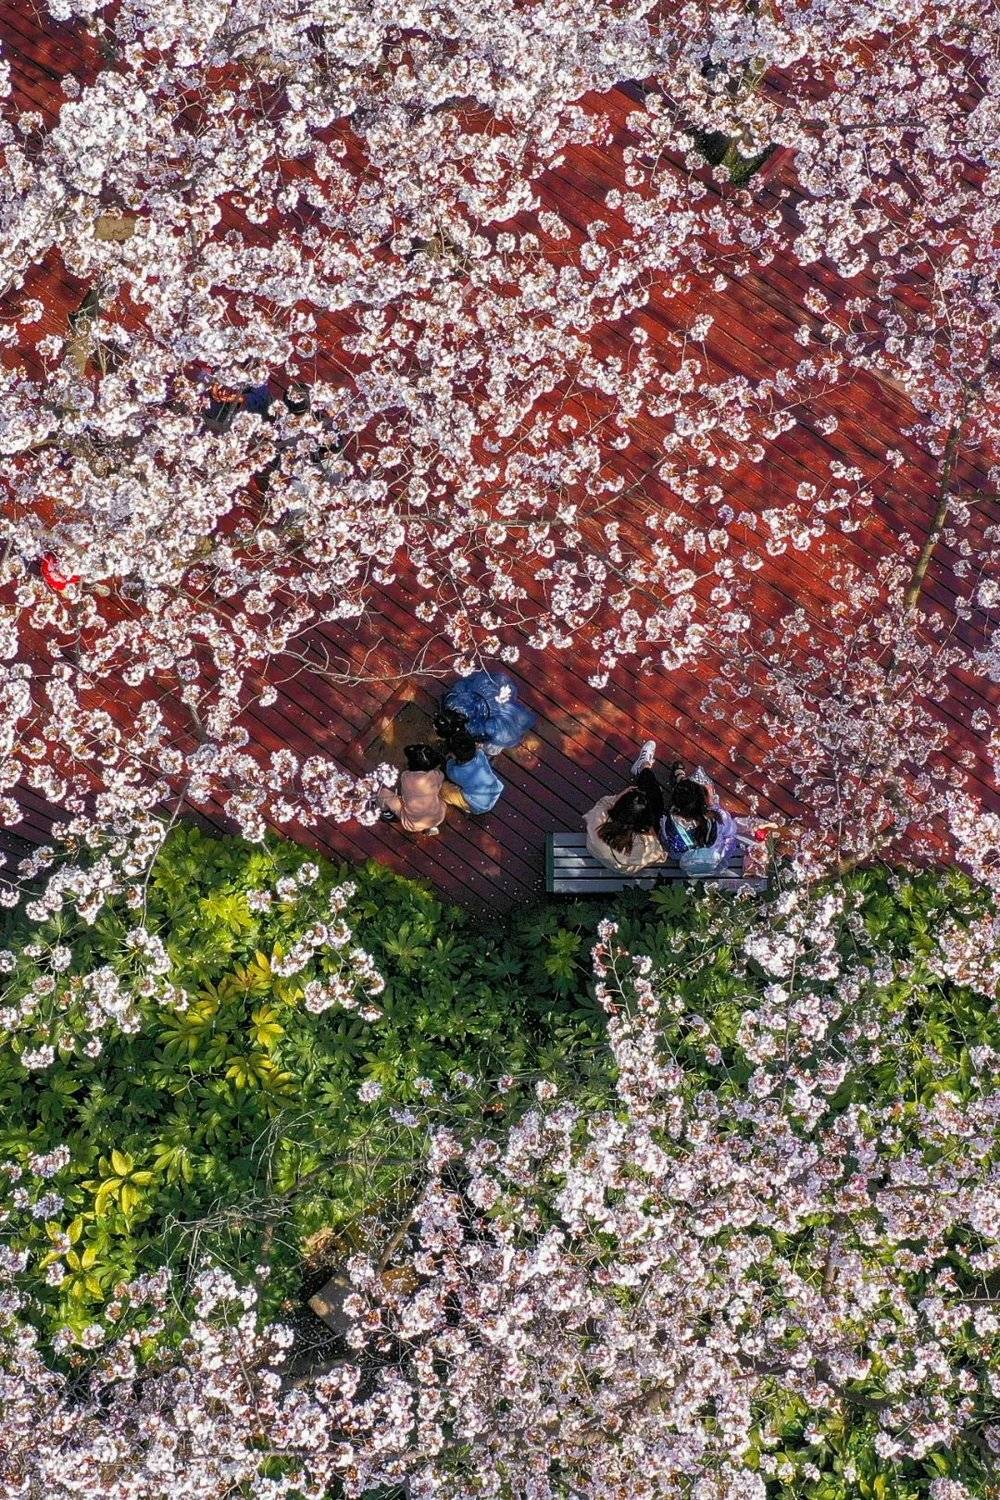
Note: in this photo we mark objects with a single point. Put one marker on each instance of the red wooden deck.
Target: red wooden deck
(586, 737)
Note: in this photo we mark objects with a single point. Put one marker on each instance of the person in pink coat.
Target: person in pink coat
(421, 801)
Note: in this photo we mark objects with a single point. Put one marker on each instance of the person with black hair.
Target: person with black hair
(419, 803)
(468, 768)
(692, 817)
(623, 828)
(698, 831)
(225, 401)
(449, 722)
(223, 404)
(297, 398)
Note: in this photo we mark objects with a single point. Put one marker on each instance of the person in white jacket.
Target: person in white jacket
(623, 828)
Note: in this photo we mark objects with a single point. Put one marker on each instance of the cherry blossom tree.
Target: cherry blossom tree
(858, 724)
(377, 204)
(748, 1239)
(304, 304)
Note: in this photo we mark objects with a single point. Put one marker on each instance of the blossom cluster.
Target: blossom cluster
(53, 1001)
(623, 1300)
(526, 418)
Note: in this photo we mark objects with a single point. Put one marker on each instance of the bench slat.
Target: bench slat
(571, 869)
(651, 872)
(581, 887)
(583, 866)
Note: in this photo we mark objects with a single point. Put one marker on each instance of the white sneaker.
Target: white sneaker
(645, 758)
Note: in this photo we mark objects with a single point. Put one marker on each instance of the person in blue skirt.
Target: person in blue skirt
(258, 399)
(488, 703)
(467, 766)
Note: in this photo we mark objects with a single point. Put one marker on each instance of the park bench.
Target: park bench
(571, 870)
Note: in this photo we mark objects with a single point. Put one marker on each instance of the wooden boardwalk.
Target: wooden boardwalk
(586, 737)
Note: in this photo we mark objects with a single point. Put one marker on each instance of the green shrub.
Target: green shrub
(234, 1126)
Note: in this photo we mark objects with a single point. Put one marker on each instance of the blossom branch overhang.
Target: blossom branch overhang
(263, 213)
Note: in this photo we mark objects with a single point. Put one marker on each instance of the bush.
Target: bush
(235, 1123)
(233, 1126)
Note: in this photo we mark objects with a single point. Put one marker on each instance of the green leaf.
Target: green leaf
(265, 1028)
(129, 1197)
(106, 1194)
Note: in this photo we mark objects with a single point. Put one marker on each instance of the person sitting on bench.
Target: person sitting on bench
(695, 828)
(698, 831)
(623, 828)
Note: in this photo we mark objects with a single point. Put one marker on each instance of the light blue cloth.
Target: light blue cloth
(478, 780)
(488, 700)
(693, 860)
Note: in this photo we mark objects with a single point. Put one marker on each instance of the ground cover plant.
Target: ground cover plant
(247, 1073)
(785, 1077)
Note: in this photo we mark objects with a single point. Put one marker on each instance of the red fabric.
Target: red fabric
(53, 574)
